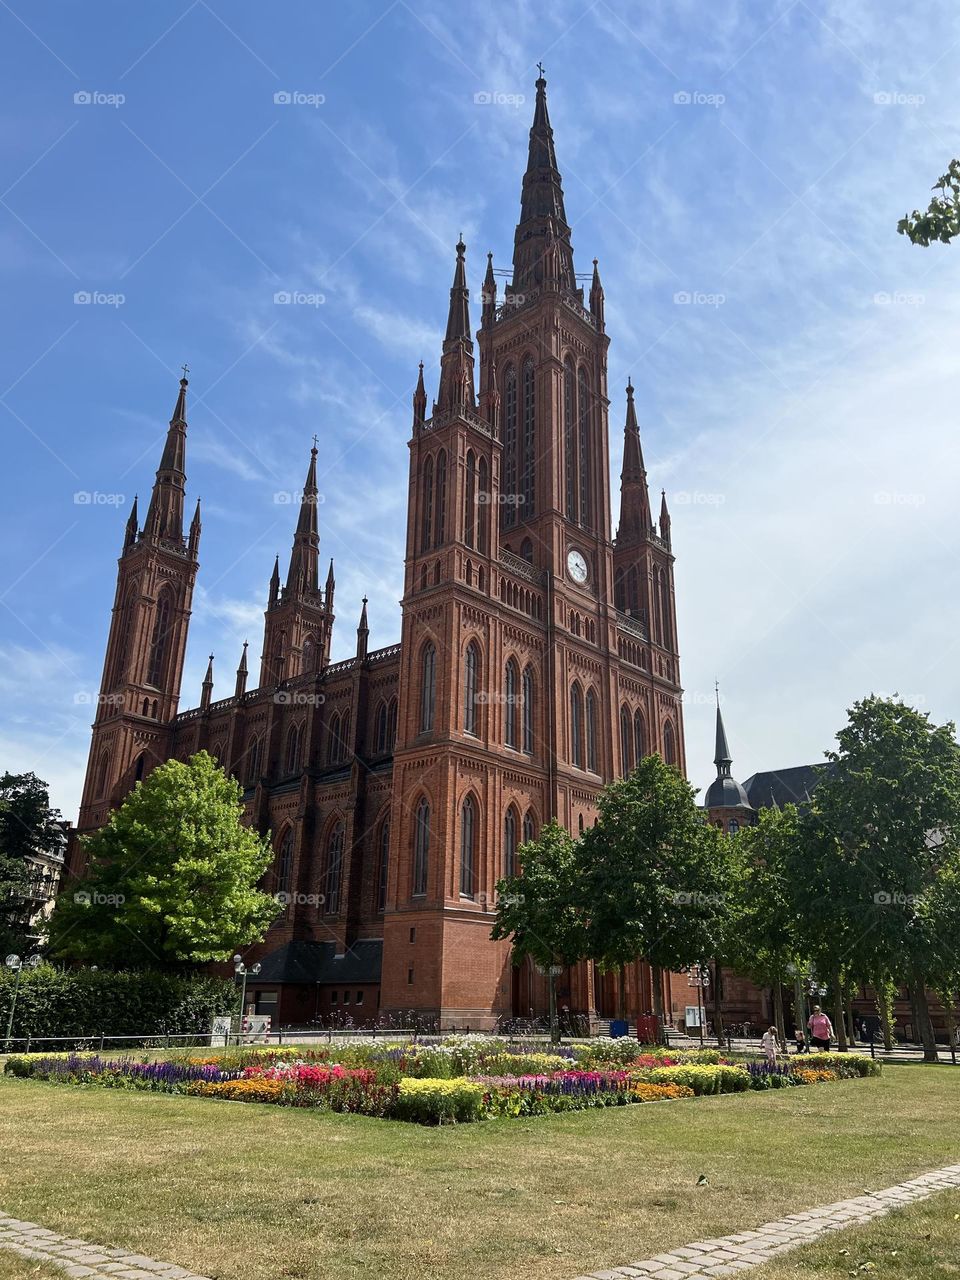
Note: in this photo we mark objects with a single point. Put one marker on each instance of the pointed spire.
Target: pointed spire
(722, 757)
(363, 631)
(419, 401)
(207, 686)
(302, 573)
(635, 518)
(275, 581)
(489, 297)
(242, 673)
(542, 253)
(456, 363)
(331, 587)
(596, 297)
(193, 542)
(664, 518)
(165, 515)
(132, 529)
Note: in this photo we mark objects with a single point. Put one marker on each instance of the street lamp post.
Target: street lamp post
(240, 970)
(17, 965)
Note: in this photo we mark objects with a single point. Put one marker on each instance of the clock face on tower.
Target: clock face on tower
(577, 566)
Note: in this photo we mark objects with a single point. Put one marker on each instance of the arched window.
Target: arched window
(310, 655)
(733, 826)
(528, 460)
(470, 501)
(471, 687)
(384, 868)
(253, 761)
(619, 591)
(145, 709)
(570, 451)
(426, 536)
(508, 508)
(510, 843)
(665, 611)
(586, 512)
(421, 848)
(139, 766)
(512, 694)
(103, 769)
(392, 708)
(123, 647)
(159, 642)
(441, 503)
(293, 748)
(428, 688)
(334, 870)
(526, 550)
(529, 827)
(669, 744)
(592, 731)
(657, 606)
(576, 726)
(380, 730)
(219, 751)
(528, 710)
(284, 865)
(626, 741)
(639, 736)
(482, 505)
(468, 843)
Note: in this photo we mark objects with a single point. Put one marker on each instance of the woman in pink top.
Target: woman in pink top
(821, 1028)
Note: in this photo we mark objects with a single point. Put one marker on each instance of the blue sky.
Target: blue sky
(754, 158)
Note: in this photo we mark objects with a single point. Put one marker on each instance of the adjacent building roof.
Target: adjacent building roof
(784, 786)
(305, 961)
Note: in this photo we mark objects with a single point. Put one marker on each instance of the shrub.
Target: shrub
(809, 1075)
(847, 1065)
(646, 1092)
(251, 1089)
(455, 1101)
(701, 1078)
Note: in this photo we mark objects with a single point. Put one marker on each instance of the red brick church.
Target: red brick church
(538, 659)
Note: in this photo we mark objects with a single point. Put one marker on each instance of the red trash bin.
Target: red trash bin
(648, 1028)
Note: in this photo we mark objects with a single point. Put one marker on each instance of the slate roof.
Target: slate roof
(304, 961)
(784, 786)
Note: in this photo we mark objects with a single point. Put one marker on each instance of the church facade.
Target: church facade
(538, 659)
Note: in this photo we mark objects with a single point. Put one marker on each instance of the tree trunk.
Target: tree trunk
(656, 983)
(884, 989)
(851, 1025)
(918, 992)
(554, 1024)
(718, 1002)
(946, 999)
(778, 1012)
(838, 1023)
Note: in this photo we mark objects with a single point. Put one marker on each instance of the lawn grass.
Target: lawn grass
(14, 1267)
(245, 1192)
(921, 1242)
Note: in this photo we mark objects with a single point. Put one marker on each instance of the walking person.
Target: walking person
(800, 1039)
(821, 1028)
(769, 1044)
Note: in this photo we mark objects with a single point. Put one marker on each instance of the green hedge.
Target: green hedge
(81, 1002)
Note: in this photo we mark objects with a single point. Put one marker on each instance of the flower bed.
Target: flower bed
(457, 1081)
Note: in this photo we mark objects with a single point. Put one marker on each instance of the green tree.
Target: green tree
(653, 875)
(942, 218)
(886, 835)
(539, 908)
(172, 878)
(764, 934)
(29, 828)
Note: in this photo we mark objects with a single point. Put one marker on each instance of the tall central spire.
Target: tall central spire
(456, 364)
(542, 253)
(302, 574)
(165, 514)
(635, 518)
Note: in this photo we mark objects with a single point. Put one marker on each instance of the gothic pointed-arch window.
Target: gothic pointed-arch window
(441, 501)
(334, 876)
(426, 536)
(510, 843)
(528, 710)
(470, 501)
(421, 847)
(528, 443)
(468, 848)
(669, 744)
(511, 697)
(639, 736)
(592, 731)
(619, 591)
(526, 550)
(254, 760)
(380, 731)
(529, 826)
(145, 709)
(384, 866)
(293, 748)
(103, 772)
(570, 440)
(119, 673)
(665, 611)
(428, 688)
(471, 687)
(310, 654)
(392, 710)
(284, 865)
(510, 426)
(626, 741)
(482, 504)
(658, 633)
(576, 726)
(160, 641)
(583, 448)
(139, 766)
